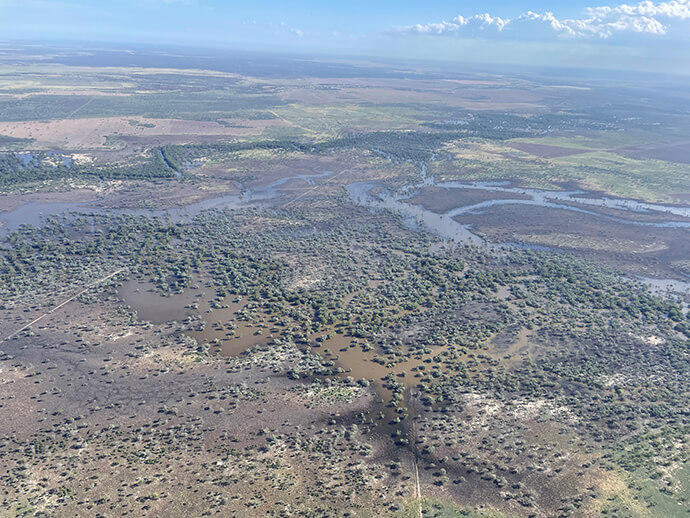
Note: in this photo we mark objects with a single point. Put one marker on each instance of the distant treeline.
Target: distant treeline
(402, 145)
(395, 145)
(5, 140)
(169, 162)
(506, 125)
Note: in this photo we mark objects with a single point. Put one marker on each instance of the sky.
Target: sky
(650, 36)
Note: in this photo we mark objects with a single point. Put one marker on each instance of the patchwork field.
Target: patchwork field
(672, 153)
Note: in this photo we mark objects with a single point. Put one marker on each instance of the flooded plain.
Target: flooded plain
(229, 329)
(238, 324)
(414, 214)
(34, 213)
(416, 211)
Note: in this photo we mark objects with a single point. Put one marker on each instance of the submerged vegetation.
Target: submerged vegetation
(597, 357)
(17, 170)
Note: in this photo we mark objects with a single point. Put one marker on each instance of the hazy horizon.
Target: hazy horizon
(646, 36)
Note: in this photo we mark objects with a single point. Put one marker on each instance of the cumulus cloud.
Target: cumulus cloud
(478, 22)
(602, 22)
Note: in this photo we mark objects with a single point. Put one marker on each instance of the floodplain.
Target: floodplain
(298, 288)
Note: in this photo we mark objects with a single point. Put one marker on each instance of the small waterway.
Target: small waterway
(376, 196)
(167, 163)
(445, 226)
(414, 215)
(565, 200)
(237, 325)
(228, 332)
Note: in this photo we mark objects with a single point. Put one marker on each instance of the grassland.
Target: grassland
(110, 113)
(590, 164)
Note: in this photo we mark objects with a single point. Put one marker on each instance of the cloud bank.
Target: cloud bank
(604, 22)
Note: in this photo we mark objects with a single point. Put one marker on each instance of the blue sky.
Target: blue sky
(648, 35)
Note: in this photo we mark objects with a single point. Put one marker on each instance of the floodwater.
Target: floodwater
(415, 216)
(230, 335)
(229, 331)
(362, 362)
(672, 288)
(177, 173)
(545, 197)
(34, 213)
(239, 325)
(445, 226)
(667, 285)
(226, 329)
(565, 200)
(154, 307)
(28, 158)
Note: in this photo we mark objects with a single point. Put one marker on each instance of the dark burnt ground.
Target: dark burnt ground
(440, 200)
(636, 249)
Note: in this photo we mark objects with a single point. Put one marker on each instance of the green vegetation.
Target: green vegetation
(614, 174)
(627, 177)
(11, 143)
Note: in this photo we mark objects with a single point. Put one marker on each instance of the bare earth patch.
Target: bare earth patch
(91, 133)
(679, 153)
(544, 151)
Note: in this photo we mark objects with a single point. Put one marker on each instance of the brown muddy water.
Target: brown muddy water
(238, 326)
(229, 333)
(227, 329)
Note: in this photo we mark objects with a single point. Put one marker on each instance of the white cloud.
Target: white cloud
(479, 22)
(603, 22)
